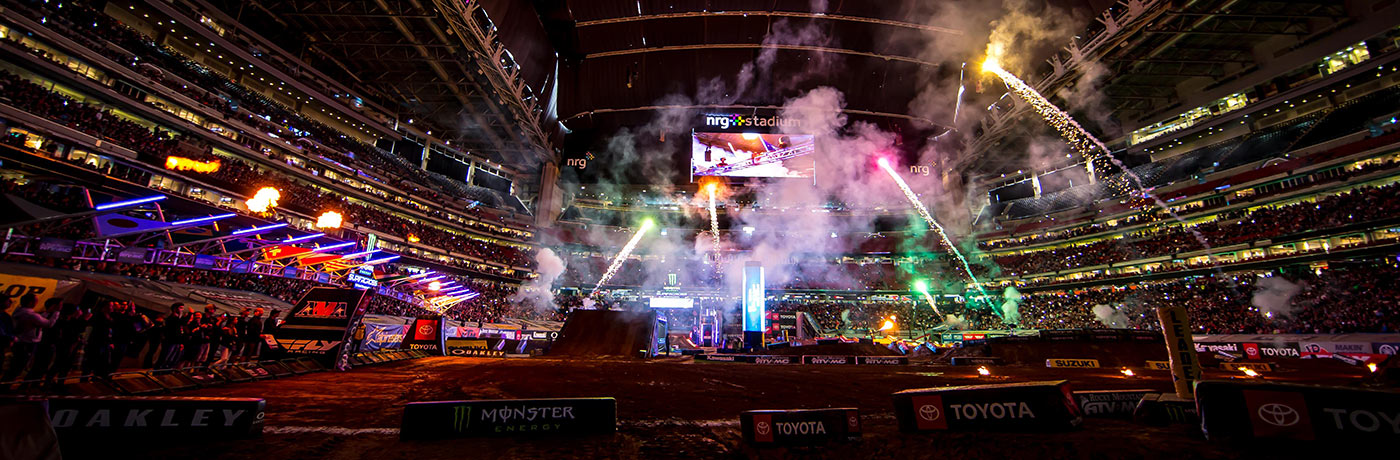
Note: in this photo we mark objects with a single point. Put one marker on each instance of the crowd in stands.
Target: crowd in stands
(1241, 226)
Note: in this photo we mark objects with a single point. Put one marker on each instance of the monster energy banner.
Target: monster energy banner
(508, 417)
(320, 323)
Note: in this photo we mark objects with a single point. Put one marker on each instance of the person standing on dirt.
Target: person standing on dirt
(358, 337)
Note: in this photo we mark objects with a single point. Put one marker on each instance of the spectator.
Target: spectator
(29, 329)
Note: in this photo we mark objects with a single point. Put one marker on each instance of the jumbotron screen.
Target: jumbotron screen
(752, 155)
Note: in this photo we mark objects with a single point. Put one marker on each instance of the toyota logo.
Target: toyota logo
(426, 329)
(762, 428)
(853, 421)
(928, 412)
(1387, 349)
(1278, 414)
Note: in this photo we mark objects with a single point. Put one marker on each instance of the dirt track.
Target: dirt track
(674, 410)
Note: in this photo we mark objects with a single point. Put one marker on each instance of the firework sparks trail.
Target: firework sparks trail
(923, 212)
(929, 298)
(714, 221)
(1085, 143)
(622, 256)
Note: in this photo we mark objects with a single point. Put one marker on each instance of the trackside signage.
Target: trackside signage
(1030, 406)
(508, 417)
(1072, 363)
(1235, 409)
(156, 416)
(803, 427)
(1109, 403)
(812, 359)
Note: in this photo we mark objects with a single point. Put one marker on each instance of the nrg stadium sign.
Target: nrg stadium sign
(734, 120)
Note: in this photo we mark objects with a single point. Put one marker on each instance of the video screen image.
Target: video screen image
(752, 155)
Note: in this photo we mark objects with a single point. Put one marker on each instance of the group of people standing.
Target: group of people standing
(44, 345)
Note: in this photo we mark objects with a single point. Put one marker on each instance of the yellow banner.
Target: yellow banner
(1257, 367)
(1159, 365)
(14, 287)
(1079, 363)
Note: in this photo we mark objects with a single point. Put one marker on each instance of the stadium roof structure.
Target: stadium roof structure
(440, 63)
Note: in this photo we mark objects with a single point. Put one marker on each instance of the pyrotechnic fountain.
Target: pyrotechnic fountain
(714, 220)
(923, 212)
(622, 255)
(922, 287)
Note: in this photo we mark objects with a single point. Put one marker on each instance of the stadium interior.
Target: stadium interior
(346, 212)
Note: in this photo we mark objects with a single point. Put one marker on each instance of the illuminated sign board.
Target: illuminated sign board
(753, 297)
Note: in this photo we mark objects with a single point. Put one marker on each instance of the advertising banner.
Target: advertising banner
(803, 427)
(163, 417)
(383, 336)
(1110, 403)
(320, 323)
(1243, 409)
(15, 286)
(507, 417)
(813, 359)
(426, 334)
(1029, 406)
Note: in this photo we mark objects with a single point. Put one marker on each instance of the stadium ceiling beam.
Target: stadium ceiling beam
(1255, 16)
(780, 14)
(361, 15)
(819, 49)
(742, 107)
(1187, 61)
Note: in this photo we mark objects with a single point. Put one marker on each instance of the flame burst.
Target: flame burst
(186, 164)
(328, 219)
(1128, 372)
(983, 371)
(622, 255)
(264, 200)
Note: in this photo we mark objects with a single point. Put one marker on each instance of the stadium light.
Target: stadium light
(355, 255)
(303, 238)
(333, 247)
(200, 220)
(380, 261)
(434, 286)
(123, 204)
(256, 229)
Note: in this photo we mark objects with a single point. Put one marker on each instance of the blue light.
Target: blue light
(334, 247)
(359, 254)
(380, 261)
(258, 229)
(123, 204)
(303, 238)
(200, 220)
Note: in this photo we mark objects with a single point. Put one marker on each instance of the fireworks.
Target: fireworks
(1080, 140)
(714, 218)
(923, 212)
(264, 200)
(622, 255)
(922, 287)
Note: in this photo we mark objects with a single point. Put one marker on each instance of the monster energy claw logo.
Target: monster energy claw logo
(461, 418)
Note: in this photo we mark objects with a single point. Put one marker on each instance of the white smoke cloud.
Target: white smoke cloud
(538, 294)
(1011, 306)
(1274, 296)
(955, 322)
(1111, 317)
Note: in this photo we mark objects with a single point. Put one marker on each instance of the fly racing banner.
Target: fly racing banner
(1251, 409)
(320, 324)
(160, 417)
(508, 417)
(1029, 406)
(802, 427)
(425, 334)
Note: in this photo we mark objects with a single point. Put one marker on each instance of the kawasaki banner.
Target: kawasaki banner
(321, 322)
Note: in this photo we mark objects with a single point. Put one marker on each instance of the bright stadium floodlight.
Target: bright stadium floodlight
(200, 220)
(259, 229)
(333, 247)
(126, 203)
(303, 238)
